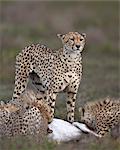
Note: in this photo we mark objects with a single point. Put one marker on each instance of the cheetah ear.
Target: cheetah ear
(2, 103)
(61, 36)
(83, 34)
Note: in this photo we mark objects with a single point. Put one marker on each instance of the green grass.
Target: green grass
(26, 143)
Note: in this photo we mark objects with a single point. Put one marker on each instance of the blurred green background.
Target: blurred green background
(26, 22)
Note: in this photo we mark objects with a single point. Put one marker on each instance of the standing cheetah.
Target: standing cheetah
(57, 71)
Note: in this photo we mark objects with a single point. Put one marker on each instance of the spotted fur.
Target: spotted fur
(101, 116)
(30, 119)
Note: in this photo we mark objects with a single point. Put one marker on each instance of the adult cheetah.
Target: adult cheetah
(56, 71)
(102, 116)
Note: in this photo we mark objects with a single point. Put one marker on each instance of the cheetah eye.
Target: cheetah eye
(81, 39)
(72, 39)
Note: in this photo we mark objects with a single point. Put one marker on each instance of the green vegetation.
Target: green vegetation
(25, 143)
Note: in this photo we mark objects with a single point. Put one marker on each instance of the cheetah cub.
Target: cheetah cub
(55, 71)
(101, 116)
(30, 119)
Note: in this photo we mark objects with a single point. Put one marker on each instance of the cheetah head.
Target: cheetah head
(73, 41)
(8, 107)
(87, 116)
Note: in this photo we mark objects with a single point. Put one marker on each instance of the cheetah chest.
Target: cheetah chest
(67, 81)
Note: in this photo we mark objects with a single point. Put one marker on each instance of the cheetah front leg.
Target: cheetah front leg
(72, 90)
(51, 103)
(71, 106)
(102, 128)
(101, 132)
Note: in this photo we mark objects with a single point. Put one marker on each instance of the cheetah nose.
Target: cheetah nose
(78, 46)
